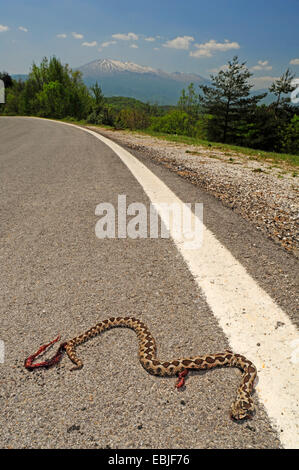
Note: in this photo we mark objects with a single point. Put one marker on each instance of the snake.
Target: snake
(241, 408)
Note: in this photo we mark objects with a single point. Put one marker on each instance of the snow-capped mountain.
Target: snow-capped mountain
(118, 78)
(109, 66)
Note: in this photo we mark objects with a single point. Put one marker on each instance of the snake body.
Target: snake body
(241, 408)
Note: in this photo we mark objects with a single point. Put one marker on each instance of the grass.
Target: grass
(71, 120)
(261, 155)
(258, 170)
(274, 157)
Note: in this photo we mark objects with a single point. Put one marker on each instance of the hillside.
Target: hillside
(135, 81)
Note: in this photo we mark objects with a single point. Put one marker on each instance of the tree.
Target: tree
(14, 99)
(182, 103)
(51, 90)
(99, 99)
(55, 90)
(281, 87)
(8, 83)
(7, 80)
(290, 136)
(51, 100)
(189, 102)
(97, 115)
(131, 118)
(229, 101)
(263, 131)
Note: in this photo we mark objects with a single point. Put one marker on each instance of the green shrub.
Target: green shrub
(175, 122)
(131, 118)
(181, 123)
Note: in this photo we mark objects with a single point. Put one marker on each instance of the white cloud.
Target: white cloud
(134, 46)
(262, 65)
(206, 49)
(294, 62)
(22, 28)
(62, 35)
(180, 42)
(263, 82)
(90, 44)
(125, 37)
(3, 28)
(108, 43)
(150, 39)
(77, 35)
(217, 69)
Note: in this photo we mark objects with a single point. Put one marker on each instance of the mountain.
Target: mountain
(143, 83)
(118, 78)
(108, 67)
(19, 76)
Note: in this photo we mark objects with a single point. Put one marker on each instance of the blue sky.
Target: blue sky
(187, 35)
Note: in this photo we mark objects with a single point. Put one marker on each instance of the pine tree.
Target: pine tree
(280, 87)
(229, 101)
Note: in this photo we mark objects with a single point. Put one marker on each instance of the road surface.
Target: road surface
(57, 276)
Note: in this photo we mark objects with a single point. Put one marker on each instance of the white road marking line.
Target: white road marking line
(253, 323)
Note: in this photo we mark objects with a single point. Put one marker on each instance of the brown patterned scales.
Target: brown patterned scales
(242, 407)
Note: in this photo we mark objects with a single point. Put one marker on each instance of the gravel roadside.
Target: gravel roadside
(262, 193)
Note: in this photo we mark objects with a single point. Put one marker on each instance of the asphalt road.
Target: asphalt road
(58, 277)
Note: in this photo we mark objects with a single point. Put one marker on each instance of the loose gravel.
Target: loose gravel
(263, 193)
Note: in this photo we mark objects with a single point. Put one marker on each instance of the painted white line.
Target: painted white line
(253, 323)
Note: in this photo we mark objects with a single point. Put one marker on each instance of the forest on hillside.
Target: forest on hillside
(225, 111)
